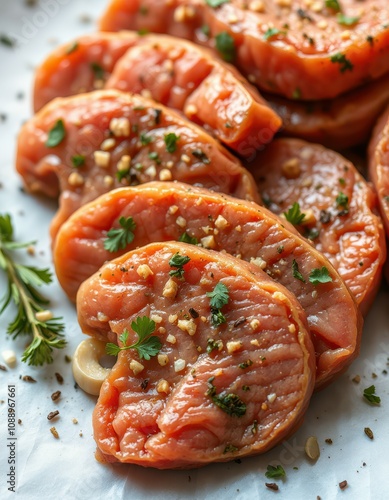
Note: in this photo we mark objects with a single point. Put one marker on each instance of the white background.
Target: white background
(66, 468)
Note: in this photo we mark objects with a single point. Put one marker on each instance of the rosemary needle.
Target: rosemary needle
(23, 282)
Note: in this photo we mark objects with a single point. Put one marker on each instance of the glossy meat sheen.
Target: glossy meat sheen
(297, 59)
(87, 121)
(241, 228)
(172, 71)
(379, 165)
(134, 422)
(339, 123)
(79, 66)
(211, 93)
(354, 242)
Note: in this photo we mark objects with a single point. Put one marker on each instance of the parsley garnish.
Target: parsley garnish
(229, 403)
(342, 201)
(294, 214)
(78, 161)
(200, 155)
(296, 272)
(205, 30)
(275, 472)
(171, 142)
(118, 239)
(230, 448)
(97, 70)
(56, 134)
(320, 276)
(213, 345)
(333, 4)
(185, 238)
(346, 20)
(215, 3)
(179, 262)
(23, 282)
(219, 298)
(245, 364)
(145, 139)
(147, 345)
(271, 32)
(370, 396)
(154, 156)
(345, 64)
(225, 45)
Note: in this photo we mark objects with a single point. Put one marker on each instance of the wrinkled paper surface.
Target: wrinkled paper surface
(48, 468)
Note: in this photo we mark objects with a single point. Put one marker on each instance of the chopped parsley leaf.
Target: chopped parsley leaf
(56, 134)
(370, 396)
(225, 45)
(179, 262)
(318, 276)
(346, 20)
(118, 239)
(275, 472)
(272, 32)
(98, 70)
(78, 161)
(341, 59)
(171, 142)
(186, 238)
(294, 215)
(200, 155)
(296, 272)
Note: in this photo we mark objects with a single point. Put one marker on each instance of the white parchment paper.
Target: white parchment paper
(49, 468)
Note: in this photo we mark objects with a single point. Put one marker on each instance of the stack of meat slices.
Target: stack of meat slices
(127, 131)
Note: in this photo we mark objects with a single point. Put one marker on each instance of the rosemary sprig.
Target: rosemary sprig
(23, 282)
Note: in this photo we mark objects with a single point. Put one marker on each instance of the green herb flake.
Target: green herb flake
(78, 161)
(147, 345)
(200, 155)
(225, 45)
(342, 181)
(294, 215)
(143, 31)
(205, 30)
(346, 20)
(155, 157)
(185, 238)
(272, 32)
(370, 396)
(333, 4)
(219, 296)
(118, 239)
(7, 41)
(178, 261)
(276, 472)
(245, 364)
(318, 276)
(171, 142)
(230, 448)
(213, 345)
(216, 3)
(342, 202)
(345, 64)
(145, 139)
(312, 233)
(56, 134)
(98, 70)
(296, 272)
(72, 48)
(230, 404)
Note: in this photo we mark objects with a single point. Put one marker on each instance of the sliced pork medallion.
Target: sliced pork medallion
(211, 93)
(86, 145)
(175, 73)
(328, 200)
(131, 217)
(221, 366)
(79, 66)
(379, 165)
(288, 48)
(339, 123)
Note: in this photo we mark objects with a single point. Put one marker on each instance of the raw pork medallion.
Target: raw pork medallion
(235, 369)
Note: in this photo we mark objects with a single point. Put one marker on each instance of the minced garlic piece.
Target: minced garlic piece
(221, 222)
(187, 325)
(108, 144)
(254, 324)
(208, 241)
(43, 316)
(163, 386)
(165, 175)
(144, 271)
(124, 163)
(233, 346)
(179, 365)
(180, 221)
(120, 127)
(191, 110)
(272, 397)
(170, 289)
(291, 168)
(75, 179)
(136, 367)
(185, 158)
(173, 209)
(171, 339)
(257, 6)
(156, 318)
(102, 158)
(108, 181)
(254, 342)
(172, 318)
(259, 262)
(102, 317)
(292, 328)
(163, 359)
(151, 172)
